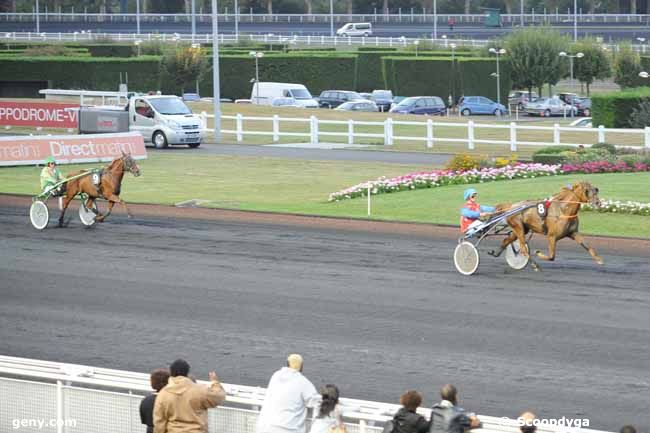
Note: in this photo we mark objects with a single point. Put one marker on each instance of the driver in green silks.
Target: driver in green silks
(50, 175)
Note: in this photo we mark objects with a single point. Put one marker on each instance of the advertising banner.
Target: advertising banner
(44, 114)
(70, 149)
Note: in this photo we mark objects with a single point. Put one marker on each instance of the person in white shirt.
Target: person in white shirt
(288, 396)
(330, 412)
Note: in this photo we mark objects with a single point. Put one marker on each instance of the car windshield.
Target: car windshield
(406, 102)
(301, 94)
(170, 106)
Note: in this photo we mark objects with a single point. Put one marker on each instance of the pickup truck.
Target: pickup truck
(161, 119)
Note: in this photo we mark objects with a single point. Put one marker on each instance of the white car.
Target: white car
(264, 93)
(355, 29)
(584, 122)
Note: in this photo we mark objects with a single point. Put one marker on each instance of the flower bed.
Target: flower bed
(439, 178)
(615, 206)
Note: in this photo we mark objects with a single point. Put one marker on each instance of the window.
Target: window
(484, 100)
(143, 109)
(170, 106)
(420, 103)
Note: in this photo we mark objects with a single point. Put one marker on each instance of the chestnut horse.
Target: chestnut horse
(560, 221)
(108, 188)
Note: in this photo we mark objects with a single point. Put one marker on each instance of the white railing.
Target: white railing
(414, 15)
(107, 401)
(385, 131)
(268, 38)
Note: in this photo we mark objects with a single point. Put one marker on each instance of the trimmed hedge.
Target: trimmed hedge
(613, 110)
(413, 76)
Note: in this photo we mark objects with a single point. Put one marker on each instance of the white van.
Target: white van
(265, 93)
(355, 29)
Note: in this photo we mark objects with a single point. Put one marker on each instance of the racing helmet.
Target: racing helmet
(468, 193)
(49, 160)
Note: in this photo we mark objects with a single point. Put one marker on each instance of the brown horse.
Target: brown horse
(560, 221)
(108, 187)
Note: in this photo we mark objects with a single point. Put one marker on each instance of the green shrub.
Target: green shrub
(614, 110)
(551, 150)
(463, 162)
(630, 160)
(104, 50)
(549, 158)
(607, 146)
(590, 155)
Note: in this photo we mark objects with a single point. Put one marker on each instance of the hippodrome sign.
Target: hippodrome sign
(50, 115)
(69, 149)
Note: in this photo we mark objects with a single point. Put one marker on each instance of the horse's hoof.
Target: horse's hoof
(600, 261)
(129, 216)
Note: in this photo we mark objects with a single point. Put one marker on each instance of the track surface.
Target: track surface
(613, 31)
(374, 308)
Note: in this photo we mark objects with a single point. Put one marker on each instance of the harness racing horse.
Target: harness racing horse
(560, 220)
(108, 188)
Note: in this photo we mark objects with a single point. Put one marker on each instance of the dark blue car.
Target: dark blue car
(430, 105)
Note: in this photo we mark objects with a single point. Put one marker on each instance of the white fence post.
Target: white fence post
(429, 133)
(556, 134)
(350, 131)
(313, 129)
(276, 127)
(601, 134)
(204, 119)
(513, 137)
(240, 127)
(647, 137)
(470, 135)
(388, 132)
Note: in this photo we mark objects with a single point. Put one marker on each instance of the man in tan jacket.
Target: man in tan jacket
(182, 406)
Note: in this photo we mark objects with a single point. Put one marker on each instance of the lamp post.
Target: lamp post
(521, 13)
(435, 19)
(331, 18)
(215, 74)
(38, 19)
(257, 55)
(137, 16)
(193, 19)
(575, 20)
(571, 57)
(498, 52)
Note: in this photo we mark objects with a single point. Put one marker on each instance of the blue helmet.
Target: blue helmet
(468, 193)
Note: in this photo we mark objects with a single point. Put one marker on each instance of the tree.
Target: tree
(627, 65)
(595, 65)
(534, 57)
(184, 66)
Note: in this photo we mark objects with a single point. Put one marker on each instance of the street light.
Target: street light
(38, 19)
(331, 18)
(257, 55)
(435, 19)
(497, 75)
(571, 57)
(575, 20)
(216, 100)
(137, 15)
(644, 74)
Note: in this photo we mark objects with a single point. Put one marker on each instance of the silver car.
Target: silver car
(548, 107)
(358, 105)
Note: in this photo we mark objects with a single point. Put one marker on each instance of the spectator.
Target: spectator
(526, 421)
(182, 406)
(628, 429)
(329, 416)
(158, 380)
(288, 396)
(448, 417)
(406, 420)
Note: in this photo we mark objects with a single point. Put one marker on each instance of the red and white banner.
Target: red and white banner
(44, 114)
(70, 149)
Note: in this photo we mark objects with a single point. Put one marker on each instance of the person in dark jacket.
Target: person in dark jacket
(406, 420)
(158, 379)
(448, 417)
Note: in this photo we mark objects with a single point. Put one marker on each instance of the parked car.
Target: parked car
(383, 99)
(569, 98)
(585, 122)
(396, 100)
(430, 105)
(334, 98)
(583, 105)
(520, 98)
(264, 93)
(480, 105)
(285, 102)
(355, 29)
(367, 96)
(549, 107)
(359, 105)
(191, 97)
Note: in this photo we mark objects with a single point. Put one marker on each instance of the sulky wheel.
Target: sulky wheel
(515, 259)
(39, 215)
(466, 258)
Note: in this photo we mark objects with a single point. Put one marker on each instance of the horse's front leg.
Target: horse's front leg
(552, 241)
(581, 240)
(90, 205)
(504, 244)
(100, 218)
(116, 199)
